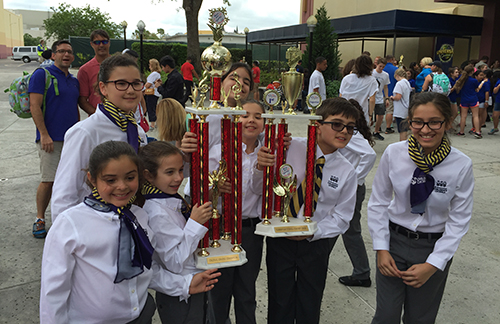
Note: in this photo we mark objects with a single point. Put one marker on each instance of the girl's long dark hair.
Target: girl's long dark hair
(362, 125)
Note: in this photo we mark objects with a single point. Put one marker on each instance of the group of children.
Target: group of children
(104, 251)
(470, 87)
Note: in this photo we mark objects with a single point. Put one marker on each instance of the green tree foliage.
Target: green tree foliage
(325, 43)
(69, 21)
(30, 40)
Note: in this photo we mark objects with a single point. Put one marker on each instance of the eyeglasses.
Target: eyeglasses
(433, 124)
(70, 52)
(338, 126)
(122, 85)
(99, 42)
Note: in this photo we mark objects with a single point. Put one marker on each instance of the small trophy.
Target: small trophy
(286, 189)
(292, 86)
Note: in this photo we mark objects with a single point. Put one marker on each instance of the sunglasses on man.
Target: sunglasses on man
(99, 42)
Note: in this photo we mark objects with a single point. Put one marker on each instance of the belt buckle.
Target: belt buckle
(410, 234)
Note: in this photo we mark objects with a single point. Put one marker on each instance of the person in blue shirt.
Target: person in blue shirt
(453, 75)
(496, 108)
(426, 70)
(467, 87)
(61, 112)
(390, 68)
(483, 94)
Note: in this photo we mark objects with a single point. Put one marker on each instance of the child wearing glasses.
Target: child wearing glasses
(120, 87)
(297, 266)
(419, 210)
(401, 98)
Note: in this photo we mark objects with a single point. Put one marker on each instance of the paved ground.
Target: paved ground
(471, 295)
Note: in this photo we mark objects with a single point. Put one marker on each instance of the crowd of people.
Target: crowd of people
(120, 226)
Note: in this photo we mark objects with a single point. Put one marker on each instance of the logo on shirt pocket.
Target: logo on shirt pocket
(333, 182)
(440, 186)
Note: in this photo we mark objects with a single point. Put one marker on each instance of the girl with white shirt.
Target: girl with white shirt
(419, 210)
(81, 273)
(120, 87)
(177, 229)
(239, 282)
(102, 250)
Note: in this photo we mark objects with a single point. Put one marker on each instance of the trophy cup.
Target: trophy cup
(215, 60)
(276, 227)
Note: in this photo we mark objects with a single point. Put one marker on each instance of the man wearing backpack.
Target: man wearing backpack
(54, 111)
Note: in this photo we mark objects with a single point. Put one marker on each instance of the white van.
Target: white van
(25, 53)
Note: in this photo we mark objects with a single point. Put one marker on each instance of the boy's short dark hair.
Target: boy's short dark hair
(99, 32)
(337, 106)
(167, 60)
(59, 42)
(320, 59)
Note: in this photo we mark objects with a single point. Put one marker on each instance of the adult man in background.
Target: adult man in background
(188, 71)
(390, 68)
(61, 113)
(87, 75)
(317, 81)
(174, 86)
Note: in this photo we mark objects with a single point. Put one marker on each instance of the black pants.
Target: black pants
(188, 85)
(296, 273)
(239, 282)
(151, 101)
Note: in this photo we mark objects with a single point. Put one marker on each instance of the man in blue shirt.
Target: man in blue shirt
(390, 68)
(61, 113)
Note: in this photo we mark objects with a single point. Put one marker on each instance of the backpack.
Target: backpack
(440, 83)
(19, 99)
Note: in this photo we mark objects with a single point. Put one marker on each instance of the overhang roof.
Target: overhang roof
(386, 24)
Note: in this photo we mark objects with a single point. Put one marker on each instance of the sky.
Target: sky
(169, 15)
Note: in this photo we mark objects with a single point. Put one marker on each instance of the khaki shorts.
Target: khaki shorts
(390, 109)
(49, 161)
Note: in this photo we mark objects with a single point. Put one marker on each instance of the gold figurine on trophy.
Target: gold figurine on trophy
(286, 189)
(217, 178)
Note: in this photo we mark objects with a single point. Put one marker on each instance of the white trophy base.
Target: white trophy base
(295, 227)
(221, 257)
(218, 111)
(288, 116)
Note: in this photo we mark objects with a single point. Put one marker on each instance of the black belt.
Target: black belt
(414, 235)
(250, 222)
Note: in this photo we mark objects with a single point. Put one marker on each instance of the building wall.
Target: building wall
(413, 49)
(11, 31)
(207, 37)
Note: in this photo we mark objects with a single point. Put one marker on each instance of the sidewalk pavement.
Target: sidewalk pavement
(471, 295)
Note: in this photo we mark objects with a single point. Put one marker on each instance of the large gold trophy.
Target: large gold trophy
(216, 251)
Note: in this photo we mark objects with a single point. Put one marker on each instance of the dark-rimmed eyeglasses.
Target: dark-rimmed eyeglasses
(70, 52)
(338, 127)
(99, 42)
(433, 124)
(122, 85)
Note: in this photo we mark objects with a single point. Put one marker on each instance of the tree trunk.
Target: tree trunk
(192, 8)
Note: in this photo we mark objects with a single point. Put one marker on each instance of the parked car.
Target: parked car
(25, 53)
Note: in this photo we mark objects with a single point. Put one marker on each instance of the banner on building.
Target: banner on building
(445, 51)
